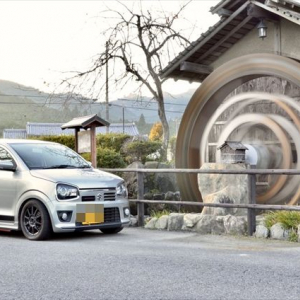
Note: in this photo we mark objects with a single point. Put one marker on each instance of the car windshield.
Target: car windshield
(48, 156)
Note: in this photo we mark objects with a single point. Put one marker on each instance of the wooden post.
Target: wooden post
(140, 195)
(93, 147)
(251, 216)
(76, 139)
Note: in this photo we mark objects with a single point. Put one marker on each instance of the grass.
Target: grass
(158, 214)
(290, 220)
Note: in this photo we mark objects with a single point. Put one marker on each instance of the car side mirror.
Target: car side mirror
(8, 165)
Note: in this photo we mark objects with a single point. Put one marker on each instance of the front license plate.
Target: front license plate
(89, 213)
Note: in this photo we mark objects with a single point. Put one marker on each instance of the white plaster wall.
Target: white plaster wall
(251, 43)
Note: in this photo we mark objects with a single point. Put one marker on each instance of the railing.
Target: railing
(251, 206)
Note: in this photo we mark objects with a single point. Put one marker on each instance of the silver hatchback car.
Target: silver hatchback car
(46, 187)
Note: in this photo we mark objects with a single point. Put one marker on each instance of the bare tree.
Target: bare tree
(138, 46)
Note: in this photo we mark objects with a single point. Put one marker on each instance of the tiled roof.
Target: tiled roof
(233, 145)
(38, 129)
(14, 134)
(234, 24)
(85, 122)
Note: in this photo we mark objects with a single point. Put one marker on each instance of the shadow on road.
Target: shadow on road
(61, 236)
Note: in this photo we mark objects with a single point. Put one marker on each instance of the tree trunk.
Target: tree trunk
(165, 125)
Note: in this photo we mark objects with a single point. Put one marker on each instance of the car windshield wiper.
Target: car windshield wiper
(61, 167)
(85, 167)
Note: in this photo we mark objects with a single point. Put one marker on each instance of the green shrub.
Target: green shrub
(67, 140)
(113, 141)
(139, 150)
(109, 158)
(86, 156)
(158, 214)
(289, 220)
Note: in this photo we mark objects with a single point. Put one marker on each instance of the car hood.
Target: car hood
(82, 178)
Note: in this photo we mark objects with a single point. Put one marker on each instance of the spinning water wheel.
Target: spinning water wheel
(208, 104)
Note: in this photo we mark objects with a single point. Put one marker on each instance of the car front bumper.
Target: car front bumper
(112, 215)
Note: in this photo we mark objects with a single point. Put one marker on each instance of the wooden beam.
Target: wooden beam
(277, 38)
(233, 3)
(258, 12)
(226, 37)
(195, 68)
(222, 12)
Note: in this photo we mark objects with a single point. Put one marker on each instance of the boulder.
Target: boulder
(218, 225)
(222, 188)
(204, 224)
(170, 196)
(190, 220)
(175, 221)
(151, 223)
(162, 222)
(277, 232)
(235, 225)
(133, 221)
(261, 231)
(158, 196)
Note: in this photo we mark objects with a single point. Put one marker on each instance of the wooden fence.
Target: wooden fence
(251, 206)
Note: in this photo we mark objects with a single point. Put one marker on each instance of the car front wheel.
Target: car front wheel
(35, 221)
(111, 230)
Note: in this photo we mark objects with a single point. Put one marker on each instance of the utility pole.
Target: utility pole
(123, 108)
(106, 88)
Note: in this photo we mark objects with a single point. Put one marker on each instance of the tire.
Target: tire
(111, 230)
(35, 221)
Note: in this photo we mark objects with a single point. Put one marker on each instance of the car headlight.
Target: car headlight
(65, 192)
(121, 191)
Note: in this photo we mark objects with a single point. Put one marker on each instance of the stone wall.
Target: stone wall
(217, 225)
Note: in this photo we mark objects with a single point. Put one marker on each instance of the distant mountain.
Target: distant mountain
(20, 104)
(174, 105)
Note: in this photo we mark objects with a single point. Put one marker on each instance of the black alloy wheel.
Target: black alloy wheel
(35, 221)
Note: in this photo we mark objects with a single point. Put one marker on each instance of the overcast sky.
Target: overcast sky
(42, 39)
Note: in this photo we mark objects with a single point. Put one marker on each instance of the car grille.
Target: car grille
(87, 198)
(108, 194)
(111, 214)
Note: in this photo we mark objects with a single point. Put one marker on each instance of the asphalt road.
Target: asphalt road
(144, 264)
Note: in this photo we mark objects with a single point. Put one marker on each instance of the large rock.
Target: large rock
(218, 225)
(190, 220)
(162, 222)
(235, 225)
(175, 221)
(222, 188)
(204, 225)
(133, 221)
(151, 223)
(261, 231)
(277, 232)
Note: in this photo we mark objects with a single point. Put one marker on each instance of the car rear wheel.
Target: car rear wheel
(35, 221)
(111, 230)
